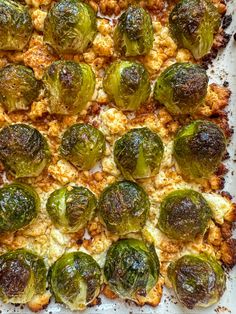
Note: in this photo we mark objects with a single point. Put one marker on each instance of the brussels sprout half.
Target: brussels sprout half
(134, 33)
(70, 26)
(138, 153)
(193, 24)
(75, 280)
(199, 148)
(182, 87)
(23, 150)
(83, 145)
(184, 214)
(123, 206)
(198, 280)
(69, 85)
(131, 268)
(127, 84)
(22, 276)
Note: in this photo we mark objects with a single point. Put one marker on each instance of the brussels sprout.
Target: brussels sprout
(134, 33)
(18, 87)
(22, 275)
(198, 280)
(75, 280)
(23, 150)
(199, 148)
(184, 214)
(69, 85)
(15, 25)
(70, 208)
(70, 26)
(138, 153)
(83, 145)
(127, 84)
(182, 87)
(123, 207)
(193, 24)
(131, 268)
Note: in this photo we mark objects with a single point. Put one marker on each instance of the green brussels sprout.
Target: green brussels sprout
(23, 150)
(182, 87)
(75, 280)
(18, 87)
(16, 25)
(134, 33)
(83, 145)
(69, 85)
(71, 208)
(193, 24)
(138, 153)
(127, 84)
(123, 206)
(19, 205)
(184, 214)
(198, 280)
(22, 276)
(131, 268)
(70, 26)
(199, 148)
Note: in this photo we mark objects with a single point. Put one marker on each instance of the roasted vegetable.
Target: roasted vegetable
(23, 150)
(193, 24)
(75, 280)
(199, 148)
(127, 84)
(138, 153)
(123, 206)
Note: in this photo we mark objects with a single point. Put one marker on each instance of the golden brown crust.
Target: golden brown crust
(228, 252)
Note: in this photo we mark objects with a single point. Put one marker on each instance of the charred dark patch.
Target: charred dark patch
(227, 20)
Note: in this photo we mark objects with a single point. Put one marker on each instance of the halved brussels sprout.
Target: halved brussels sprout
(127, 84)
(70, 26)
(193, 24)
(83, 145)
(198, 280)
(131, 268)
(16, 25)
(199, 148)
(71, 208)
(134, 33)
(184, 214)
(23, 150)
(75, 280)
(18, 87)
(22, 276)
(138, 153)
(69, 86)
(182, 87)
(123, 207)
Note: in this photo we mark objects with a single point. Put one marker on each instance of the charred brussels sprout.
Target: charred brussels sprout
(198, 280)
(18, 87)
(82, 145)
(184, 214)
(123, 207)
(131, 268)
(70, 26)
(23, 150)
(127, 84)
(22, 276)
(199, 148)
(182, 87)
(134, 33)
(15, 25)
(70, 208)
(69, 86)
(138, 153)
(193, 24)
(75, 280)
